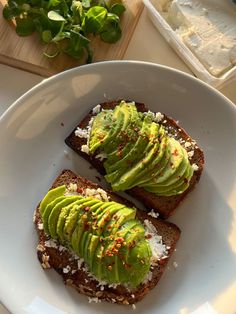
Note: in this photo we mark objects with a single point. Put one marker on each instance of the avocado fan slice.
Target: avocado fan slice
(100, 130)
(155, 167)
(123, 215)
(176, 188)
(127, 179)
(106, 120)
(134, 153)
(55, 212)
(106, 217)
(47, 212)
(51, 196)
(117, 176)
(127, 141)
(65, 212)
(139, 258)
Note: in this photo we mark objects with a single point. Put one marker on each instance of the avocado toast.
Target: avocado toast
(99, 243)
(145, 154)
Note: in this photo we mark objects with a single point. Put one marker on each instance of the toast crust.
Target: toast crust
(164, 205)
(52, 255)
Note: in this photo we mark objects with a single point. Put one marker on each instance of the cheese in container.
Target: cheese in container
(202, 32)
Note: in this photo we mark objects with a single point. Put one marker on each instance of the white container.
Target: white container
(184, 52)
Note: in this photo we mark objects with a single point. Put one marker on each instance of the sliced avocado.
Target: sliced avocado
(54, 215)
(174, 162)
(123, 216)
(110, 265)
(120, 260)
(98, 266)
(178, 187)
(118, 180)
(154, 170)
(47, 212)
(139, 259)
(51, 196)
(72, 220)
(82, 222)
(134, 154)
(85, 238)
(91, 249)
(155, 167)
(123, 120)
(107, 217)
(129, 177)
(63, 217)
(102, 124)
(128, 138)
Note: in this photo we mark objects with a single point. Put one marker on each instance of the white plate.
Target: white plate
(33, 153)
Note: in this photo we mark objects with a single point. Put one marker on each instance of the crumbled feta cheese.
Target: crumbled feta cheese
(73, 271)
(66, 269)
(158, 117)
(153, 214)
(62, 248)
(85, 149)
(72, 187)
(101, 156)
(80, 262)
(187, 144)
(133, 306)
(150, 113)
(190, 154)
(82, 133)
(159, 250)
(97, 193)
(97, 109)
(175, 265)
(96, 300)
(195, 167)
(40, 226)
(51, 243)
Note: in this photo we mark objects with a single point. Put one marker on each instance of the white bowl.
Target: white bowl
(33, 153)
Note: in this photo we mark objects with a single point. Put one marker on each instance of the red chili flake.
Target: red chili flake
(175, 153)
(115, 217)
(79, 190)
(109, 253)
(132, 244)
(119, 240)
(114, 250)
(86, 226)
(127, 266)
(148, 236)
(87, 208)
(109, 227)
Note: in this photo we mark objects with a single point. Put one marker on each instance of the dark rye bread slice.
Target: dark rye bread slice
(164, 205)
(55, 256)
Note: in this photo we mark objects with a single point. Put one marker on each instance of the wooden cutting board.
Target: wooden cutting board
(27, 52)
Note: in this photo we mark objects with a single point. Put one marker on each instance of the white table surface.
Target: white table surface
(146, 45)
